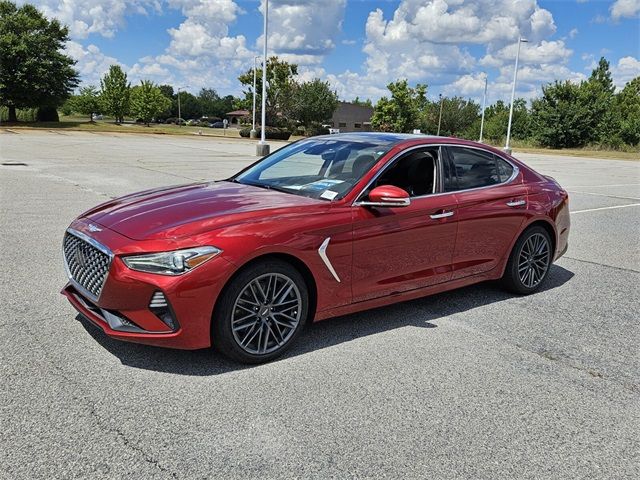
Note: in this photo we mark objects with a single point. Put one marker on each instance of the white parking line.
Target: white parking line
(604, 195)
(605, 208)
(604, 186)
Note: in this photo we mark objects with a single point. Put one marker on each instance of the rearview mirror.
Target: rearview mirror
(387, 196)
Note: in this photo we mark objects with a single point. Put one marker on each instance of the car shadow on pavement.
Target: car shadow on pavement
(422, 313)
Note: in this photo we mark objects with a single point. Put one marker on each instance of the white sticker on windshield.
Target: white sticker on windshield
(329, 194)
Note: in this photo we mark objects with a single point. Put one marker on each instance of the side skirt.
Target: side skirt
(493, 274)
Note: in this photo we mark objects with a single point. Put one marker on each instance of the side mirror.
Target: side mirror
(387, 196)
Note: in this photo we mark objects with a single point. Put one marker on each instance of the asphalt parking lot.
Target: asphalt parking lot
(474, 383)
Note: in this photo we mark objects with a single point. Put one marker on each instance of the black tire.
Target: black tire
(526, 272)
(233, 318)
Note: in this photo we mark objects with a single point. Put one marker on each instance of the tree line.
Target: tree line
(145, 102)
(35, 74)
(567, 114)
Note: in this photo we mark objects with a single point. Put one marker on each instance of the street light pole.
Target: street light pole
(262, 148)
(179, 107)
(254, 133)
(507, 147)
(440, 116)
(179, 113)
(484, 104)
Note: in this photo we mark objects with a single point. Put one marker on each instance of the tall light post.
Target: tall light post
(440, 116)
(507, 147)
(262, 148)
(484, 104)
(179, 116)
(254, 133)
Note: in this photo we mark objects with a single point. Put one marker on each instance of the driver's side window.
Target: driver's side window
(414, 172)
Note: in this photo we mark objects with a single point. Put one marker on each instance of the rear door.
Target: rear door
(492, 203)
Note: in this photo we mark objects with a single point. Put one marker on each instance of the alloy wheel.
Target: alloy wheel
(533, 261)
(266, 313)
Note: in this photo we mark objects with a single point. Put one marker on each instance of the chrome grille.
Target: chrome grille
(87, 265)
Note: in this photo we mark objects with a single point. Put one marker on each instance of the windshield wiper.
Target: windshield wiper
(267, 186)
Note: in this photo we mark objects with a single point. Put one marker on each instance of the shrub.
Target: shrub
(315, 129)
(272, 133)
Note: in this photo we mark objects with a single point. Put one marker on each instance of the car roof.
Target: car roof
(378, 137)
(393, 139)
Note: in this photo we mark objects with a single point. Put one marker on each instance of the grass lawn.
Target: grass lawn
(81, 124)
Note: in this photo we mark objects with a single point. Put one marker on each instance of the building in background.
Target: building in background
(350, 117)
(238, 116)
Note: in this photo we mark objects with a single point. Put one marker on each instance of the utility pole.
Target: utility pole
(507, 147)
(484, 104)
(179, 113)
(254, 133)
(262, 148)
(440, 117)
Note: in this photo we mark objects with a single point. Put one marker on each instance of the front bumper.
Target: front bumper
(123, 309)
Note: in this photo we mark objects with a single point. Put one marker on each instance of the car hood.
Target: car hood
(193, 209)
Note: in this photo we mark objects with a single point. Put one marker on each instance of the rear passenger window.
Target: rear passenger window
(504, 169)
(474, 168)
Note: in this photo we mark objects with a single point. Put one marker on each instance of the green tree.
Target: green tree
(313, 102)
(87, 102)
(209, 102)
(33, 70)
(280, 84)
(363, 103)
(147, 101)
(458, 115)
(167, 90)
(115, 93)
(597, 99)
(559, 118)
(189, 106)
(628, 109)
(496, 120)
(403, 111)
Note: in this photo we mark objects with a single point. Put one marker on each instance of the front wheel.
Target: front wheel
(529, 261)
(261, 312)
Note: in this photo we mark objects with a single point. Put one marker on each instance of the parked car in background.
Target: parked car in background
(322, 227)
(175, 121)
(217, 125)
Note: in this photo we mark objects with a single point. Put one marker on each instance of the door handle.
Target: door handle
(516, 203)
(442, 215)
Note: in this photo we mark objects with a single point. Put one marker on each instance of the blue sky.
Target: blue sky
(357, 45)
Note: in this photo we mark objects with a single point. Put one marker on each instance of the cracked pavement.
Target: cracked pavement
(475, 383)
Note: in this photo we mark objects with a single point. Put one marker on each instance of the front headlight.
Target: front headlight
(171, 263)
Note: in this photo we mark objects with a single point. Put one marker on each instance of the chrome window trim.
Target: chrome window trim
(93, 242)
(358, 202)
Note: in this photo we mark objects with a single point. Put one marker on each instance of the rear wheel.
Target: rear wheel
(529, 261)
(261, 312)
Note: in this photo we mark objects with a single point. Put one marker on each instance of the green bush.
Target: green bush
(315, 129)
(24, 115)
(272, 133)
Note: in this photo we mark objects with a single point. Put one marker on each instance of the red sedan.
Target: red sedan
(322, 227)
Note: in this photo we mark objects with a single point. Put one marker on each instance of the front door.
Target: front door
(405, 248)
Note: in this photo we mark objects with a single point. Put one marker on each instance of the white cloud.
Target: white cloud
(303, 31)
(431, 41)
(625, 8)
(573, 33)
(102, 17)
(205, 30)
(627, 69)
(92, 64)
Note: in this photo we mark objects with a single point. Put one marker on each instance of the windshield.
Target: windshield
(320, 168)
